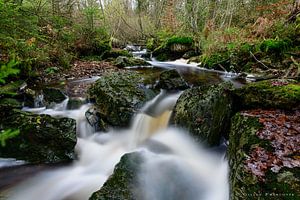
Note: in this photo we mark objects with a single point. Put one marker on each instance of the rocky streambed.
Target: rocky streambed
(259, 123)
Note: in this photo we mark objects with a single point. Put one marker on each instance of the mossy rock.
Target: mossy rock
(205, 112)
(285, 184)
(173, 48)
(53, 95)
(118, 96)
(115, 53)
(123, 61)
(171, 80)
(123, 183)
(282, 94)
(42, 138)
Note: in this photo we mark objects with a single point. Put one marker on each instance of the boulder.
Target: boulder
(263, 155)
(118, 96)
(284, 94)
(41, 138)
(53, 95)
(123, 183)
(205, 112)
(123, 61)
(171, 80)
(173, 48)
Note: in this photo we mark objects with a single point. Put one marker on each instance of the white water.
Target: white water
(175, 167)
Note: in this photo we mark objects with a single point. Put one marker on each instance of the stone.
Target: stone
(171, 80)
(258, 179)
(123, 183)
(123, 61)
(205, 112)
(42, 138)
(283, 94)
(118, 96)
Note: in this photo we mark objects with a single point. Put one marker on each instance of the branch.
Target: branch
(258, 60)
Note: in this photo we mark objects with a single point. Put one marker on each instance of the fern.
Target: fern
(8, 69)
(7, 134)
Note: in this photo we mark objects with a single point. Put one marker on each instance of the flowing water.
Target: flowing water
(175, 167)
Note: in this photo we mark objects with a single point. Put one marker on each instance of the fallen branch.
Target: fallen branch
(258, 60)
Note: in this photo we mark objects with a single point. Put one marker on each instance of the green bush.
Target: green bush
(8, 70)
(276, 46)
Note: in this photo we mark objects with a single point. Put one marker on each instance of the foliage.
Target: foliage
(275, 46)
(8, 134)
(8, 70)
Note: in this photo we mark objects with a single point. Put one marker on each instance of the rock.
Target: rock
(123, 183)
(173, 48)
(260, 168)
(189, 54)
(94, 119)
(53, 95)
(284, 94)
(119, 96)
(7, 104)
(75, 103)
(205, 112)
(171, 80)
(123, 61)
(42, 138)
(115, 53)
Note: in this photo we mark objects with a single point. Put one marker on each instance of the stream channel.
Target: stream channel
(174, 167)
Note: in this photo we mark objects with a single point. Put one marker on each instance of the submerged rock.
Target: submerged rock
(118, 96)
(284, 94)
(205, 112)
(123, 183)
(42, 138)
(264, 155)
(171, 80)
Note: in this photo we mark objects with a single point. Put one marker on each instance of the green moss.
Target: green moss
(118, 96)
(276, 46)
(283, 94)
(179, 40)
(116, 53)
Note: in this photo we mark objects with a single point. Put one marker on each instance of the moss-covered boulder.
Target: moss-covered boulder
(123, 183)
(41, 138)
(205, 112)
(263, 155)
(171, 80)
(118, 96)
(173, 48)
(284, 94)
(53, 95)
(11, 89)
(123, 61)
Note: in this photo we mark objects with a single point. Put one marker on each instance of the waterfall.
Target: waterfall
(185, 171)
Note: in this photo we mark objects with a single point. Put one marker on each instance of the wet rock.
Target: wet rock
(205, 112)
(42, 138)
(11, 89)
(53, 95)
(171, 80)
(94, 119)
(173, 48)
(123, 183)
(263, 166)
(284, 94)
(118, 96)
(123, 61)
(189, 54)
(75, 103)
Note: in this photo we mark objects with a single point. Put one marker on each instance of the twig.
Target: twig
(258, 60)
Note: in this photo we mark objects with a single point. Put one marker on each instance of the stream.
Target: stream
(175, 167)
